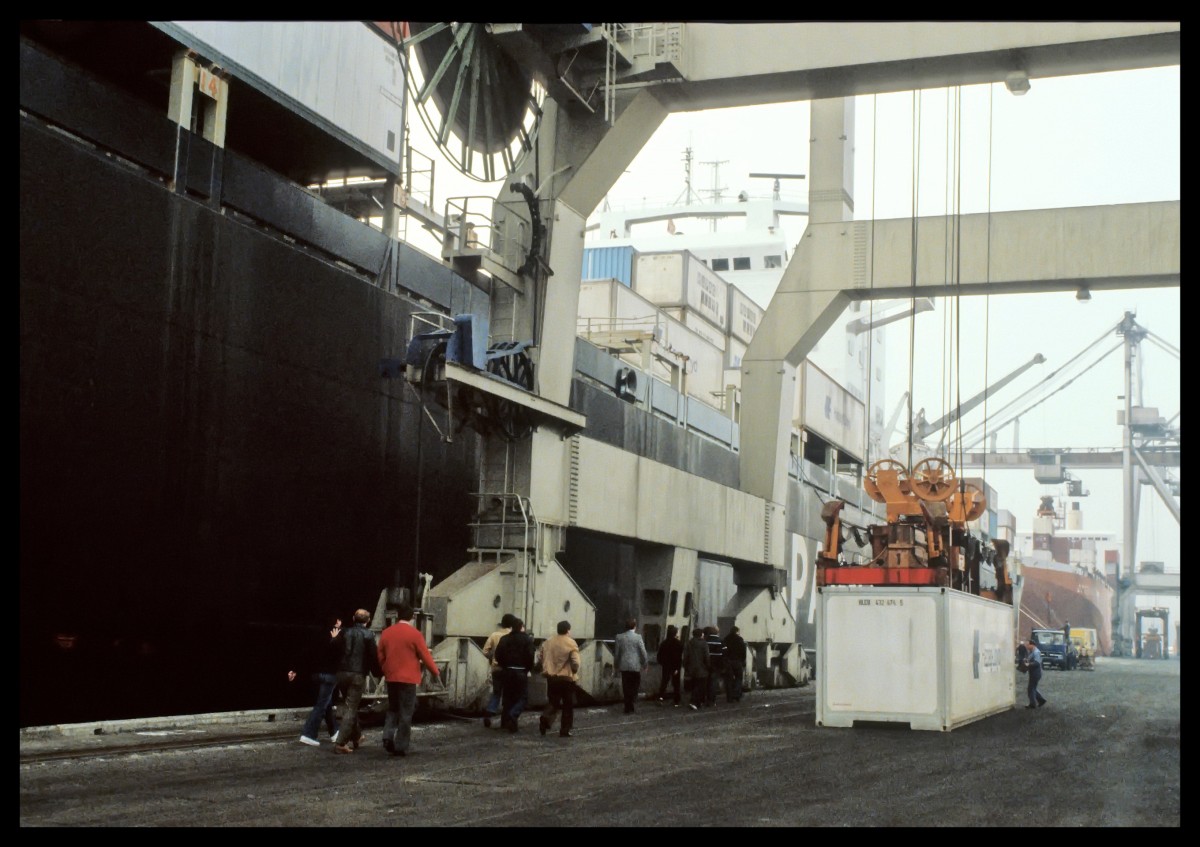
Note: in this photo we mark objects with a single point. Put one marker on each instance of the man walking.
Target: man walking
(735, 665)
(489, 650)
(630, 658)
(1034, 662)
(716, 663)
(402, 651)
(359, 657)
(670, 662)
(560, 666)
(695, 663)
(514, 652)
(323, 659)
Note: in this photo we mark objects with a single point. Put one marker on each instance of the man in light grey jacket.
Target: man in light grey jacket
(630, 658)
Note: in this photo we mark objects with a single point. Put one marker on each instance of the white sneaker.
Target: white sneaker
(311, 742)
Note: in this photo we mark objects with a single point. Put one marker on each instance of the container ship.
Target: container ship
(248, 401)
(1068, 575)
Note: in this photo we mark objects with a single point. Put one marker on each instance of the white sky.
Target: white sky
(1072, 141)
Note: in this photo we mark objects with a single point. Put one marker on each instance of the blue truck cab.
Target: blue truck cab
(1057, 650)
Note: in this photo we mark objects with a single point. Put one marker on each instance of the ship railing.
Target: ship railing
(489, 229)
(418, 176)
(623, 334)
(422, 322)
(504, 517)
(653, 42)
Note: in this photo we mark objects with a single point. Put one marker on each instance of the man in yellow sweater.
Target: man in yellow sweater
(560, 666)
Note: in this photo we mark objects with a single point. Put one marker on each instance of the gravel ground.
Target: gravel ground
(1103, 752)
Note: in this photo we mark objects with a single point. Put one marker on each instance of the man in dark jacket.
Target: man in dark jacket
(323, 657)
(716, 663)
(695, 663)
(359, 658)
(735, 665)
(670, 661)
(514, 653)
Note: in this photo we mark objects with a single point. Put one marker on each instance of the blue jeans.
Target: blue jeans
(493, 705)
(323, 708)
(1035, 676)
(397, 724)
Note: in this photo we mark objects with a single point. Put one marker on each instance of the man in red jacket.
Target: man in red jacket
(402, 651)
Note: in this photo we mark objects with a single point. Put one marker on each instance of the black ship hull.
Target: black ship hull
(210, 459)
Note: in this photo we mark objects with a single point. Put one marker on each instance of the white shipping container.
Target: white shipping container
(609, 312)
(734, 354)
(698, 325)
(680, 279)
(933, 658)
(744, 315)
(341, 75)
(826, 408)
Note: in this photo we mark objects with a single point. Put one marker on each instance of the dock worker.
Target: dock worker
(1034, 662)
(514, 652)
(402, 652)
(560, 666)
(359, 657)
(489, 650)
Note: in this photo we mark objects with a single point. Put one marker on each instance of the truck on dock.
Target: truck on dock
(1057, 651)
(1085, 641)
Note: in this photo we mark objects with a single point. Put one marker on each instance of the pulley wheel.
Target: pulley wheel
(934, 480)
(871, 483)
(480, 106)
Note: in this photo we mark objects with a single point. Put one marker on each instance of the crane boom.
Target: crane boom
(923, 430)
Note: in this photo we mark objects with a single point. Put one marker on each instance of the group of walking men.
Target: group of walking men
(511, 652)
(705, 661)
(343, 659)
(341, 662)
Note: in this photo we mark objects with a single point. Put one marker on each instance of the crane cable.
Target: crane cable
(916, 174)
(871, 301)
(987, 278)
(957, 361)
(870, 308)
(947, 274)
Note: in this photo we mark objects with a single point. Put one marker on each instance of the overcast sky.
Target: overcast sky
(1071, 141)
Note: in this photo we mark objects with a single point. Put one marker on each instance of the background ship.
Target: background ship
(1068, 575)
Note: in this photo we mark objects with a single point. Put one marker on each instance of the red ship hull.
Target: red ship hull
(1053, 594)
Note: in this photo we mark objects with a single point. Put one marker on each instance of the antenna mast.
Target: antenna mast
(688, 193)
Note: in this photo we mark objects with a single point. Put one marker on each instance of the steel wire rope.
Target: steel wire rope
(987, 279)
(916, 182)
(1163, 344)
(871, 282)
(948, 253)
(956, 451)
